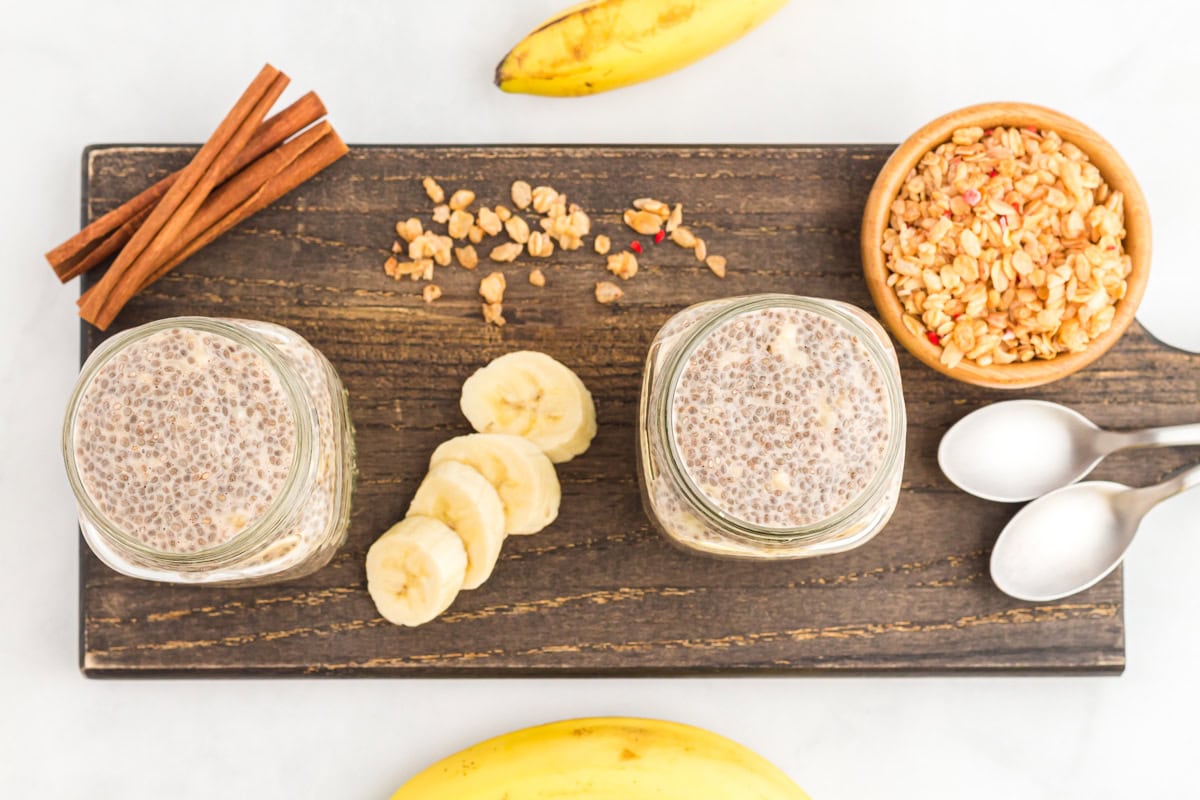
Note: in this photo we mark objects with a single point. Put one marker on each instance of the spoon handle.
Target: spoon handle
(1180, 482)
(1172, 435)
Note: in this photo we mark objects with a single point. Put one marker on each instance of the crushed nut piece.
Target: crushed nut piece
(506, 252)
(537, 278)
(467, 257)
(522, 195)
(431, 292)
(409, 229)
(475, 234)
(518, 229)
(543, 197)
(460, 224)
(676, 218)
(683, 237)
(643, 222)
(461, 199)
(493, 313)
(492, 287)
(701, 249)
(602, 244)
(653, 206)
(435, 192)
(608, 292)
(441, 214)
(540, 245)
(503, 212)
(717, 265)
(623, 264)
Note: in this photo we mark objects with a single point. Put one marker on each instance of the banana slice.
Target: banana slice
(464, 500)
(530, 394)
(521, 474)
(414, 571)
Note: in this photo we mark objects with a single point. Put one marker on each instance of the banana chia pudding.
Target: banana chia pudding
(780, 417)
(772, 427)
(188, 436)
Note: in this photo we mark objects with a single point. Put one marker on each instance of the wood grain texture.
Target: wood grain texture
(599, 592)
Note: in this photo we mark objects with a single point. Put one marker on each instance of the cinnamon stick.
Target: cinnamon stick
(182, 200)
(105, 236)
(326, 150)
(240, 189)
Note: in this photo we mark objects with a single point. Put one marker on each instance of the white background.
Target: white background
(74, 73)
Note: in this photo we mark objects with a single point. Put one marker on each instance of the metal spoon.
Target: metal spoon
(1020, 449)
(1072, 538)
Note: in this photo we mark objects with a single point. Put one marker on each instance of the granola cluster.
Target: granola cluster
(1006, 245)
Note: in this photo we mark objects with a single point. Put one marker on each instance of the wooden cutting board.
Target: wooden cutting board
(599, 592)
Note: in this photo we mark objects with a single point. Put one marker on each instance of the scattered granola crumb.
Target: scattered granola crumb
(522, 195)
(435, 192)
(490, 223)
(608, 292)
(656, 207)
(537, 278)
(701, 249)
(676, 217)
(644, 222)
(398, 269)
(493, 313)
(602, 244)
(475, 234)
(503, 212)
(518, 229)
(506, 252)
(461, 199)
(409, 229)
(460, 224)
(441, 214)
(623, 264)
(543, 198)
(467, 257)
(397, 246)
(431, 292)
(426, 273)
(717, 265)
(492, 287)
(683, 237)
(540, 245)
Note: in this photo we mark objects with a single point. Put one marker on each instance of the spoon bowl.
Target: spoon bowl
(1070, 539)
(1017, 450)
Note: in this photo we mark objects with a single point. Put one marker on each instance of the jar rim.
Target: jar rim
(261, 530)
(876, 487)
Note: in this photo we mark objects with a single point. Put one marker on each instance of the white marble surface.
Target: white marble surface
(74, 73)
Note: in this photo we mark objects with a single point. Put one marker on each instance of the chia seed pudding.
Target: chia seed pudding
(772, 426)
(213, 451)
(780, 417)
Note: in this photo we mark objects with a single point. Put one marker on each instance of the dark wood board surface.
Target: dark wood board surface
(599, 592)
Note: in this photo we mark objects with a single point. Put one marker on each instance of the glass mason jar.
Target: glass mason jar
(128, 423)
(857, 507)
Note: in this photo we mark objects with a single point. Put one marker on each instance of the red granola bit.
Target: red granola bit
(635, 246)
(1031, 128)
(658, 237)
(933, 337)
(947, 215)
(992, 174)
(988, 131)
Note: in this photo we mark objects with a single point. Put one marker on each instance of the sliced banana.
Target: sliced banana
(529, 394)
(466, 502)
(521, 474)
(415, 570)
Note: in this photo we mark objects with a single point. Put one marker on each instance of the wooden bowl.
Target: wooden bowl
(891, 179)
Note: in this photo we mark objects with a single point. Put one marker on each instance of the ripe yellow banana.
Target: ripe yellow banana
(606, 758)
(606, 44)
